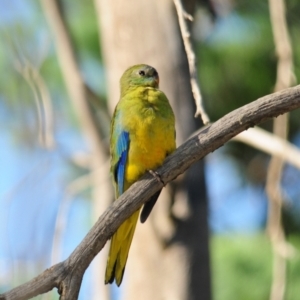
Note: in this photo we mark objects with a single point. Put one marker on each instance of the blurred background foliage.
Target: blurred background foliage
(236, 63)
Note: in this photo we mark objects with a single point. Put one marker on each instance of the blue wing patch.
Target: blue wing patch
(122, 153)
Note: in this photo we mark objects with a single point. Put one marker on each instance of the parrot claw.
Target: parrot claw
(157, 177)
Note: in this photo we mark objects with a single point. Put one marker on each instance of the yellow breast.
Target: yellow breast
(152, 138)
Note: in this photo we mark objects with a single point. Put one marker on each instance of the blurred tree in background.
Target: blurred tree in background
(54, 123)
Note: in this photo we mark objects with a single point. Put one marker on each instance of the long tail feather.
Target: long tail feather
(119, 249)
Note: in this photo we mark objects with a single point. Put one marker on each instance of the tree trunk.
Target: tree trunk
(169, 257)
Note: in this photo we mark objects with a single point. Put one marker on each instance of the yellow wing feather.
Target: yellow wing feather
(119, 249)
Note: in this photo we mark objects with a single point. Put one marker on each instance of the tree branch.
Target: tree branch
(42, 101)
(270, 144)
(191, 57)
(75, 84)
(82, 97)
(67, 275)
(285, 78)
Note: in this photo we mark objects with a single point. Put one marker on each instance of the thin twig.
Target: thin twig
(285, 78)
(30, 72)
(182, 15)
(42, 100)
(285, 70)
(75, 187)
(47, 108)
(25, 72)
(271, 144)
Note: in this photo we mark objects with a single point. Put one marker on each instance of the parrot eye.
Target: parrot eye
(142, 73)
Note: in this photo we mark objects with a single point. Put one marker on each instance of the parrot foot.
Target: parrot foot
(157, 177)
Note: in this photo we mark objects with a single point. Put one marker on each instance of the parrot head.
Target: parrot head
(139, 75)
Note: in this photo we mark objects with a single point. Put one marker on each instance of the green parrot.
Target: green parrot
(142, 135)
